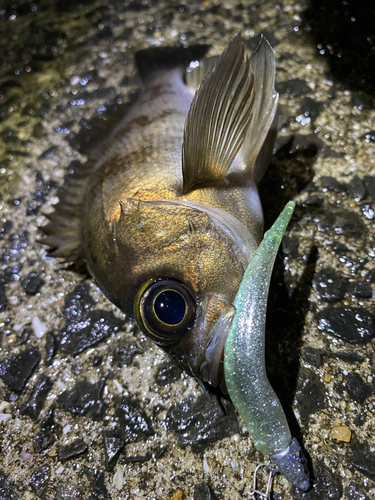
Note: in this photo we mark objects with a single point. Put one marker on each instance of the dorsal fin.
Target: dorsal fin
(218, 119)
(63, 231)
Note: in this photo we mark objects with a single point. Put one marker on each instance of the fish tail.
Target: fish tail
(149, 61)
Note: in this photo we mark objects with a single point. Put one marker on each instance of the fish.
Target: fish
(169, 220)
(168, 217)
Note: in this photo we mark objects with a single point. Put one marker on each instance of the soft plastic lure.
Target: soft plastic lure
(245, 368)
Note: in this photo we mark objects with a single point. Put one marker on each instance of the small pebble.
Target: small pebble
(329, 285)
(4, 405)
(113, 444)
(43, 440)
(357, 188)
(39, 327)
(311, 394)
(84, 399)
(167, 374)
(362, 100)
(48, 421)
(26, 456)
(32, 284)
(315, 200)
(71, 450)
(369, 136)
(355, 492)
(51, 348)
(310, 108)
(352, 324)
(133, 423)
(340, 221)
(118, 479)
(125, 352)
(85, 327)
(17, 369)
(6, 490)
(326, 484)
(331, 184)
(358, 389)
(200, 422)
(363, 290)
(37, 398)
(295, 87)
(66, 491)
(348, 356)
(203, 491)
(48, 153)
(290, 246)
(39, 479)
(310, 187)
(368, 211)
(363, 459)
(341, 433)
(97, 479)
(312, 356)
(177, 495)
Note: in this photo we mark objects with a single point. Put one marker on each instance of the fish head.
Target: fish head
(183, 270)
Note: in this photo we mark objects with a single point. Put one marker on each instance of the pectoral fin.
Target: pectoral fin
(262, 64)
(218, 119)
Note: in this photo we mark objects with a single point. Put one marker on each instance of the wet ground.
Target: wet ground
(89, 408)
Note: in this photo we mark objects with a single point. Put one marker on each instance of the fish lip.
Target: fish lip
(212, 368)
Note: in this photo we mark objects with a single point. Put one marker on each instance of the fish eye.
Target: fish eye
(165, 310)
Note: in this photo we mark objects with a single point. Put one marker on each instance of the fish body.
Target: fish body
(169, 216)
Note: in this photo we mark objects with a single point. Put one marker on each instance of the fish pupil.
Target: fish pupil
(170, 307)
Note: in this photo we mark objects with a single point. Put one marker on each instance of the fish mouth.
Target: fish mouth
(212, 367)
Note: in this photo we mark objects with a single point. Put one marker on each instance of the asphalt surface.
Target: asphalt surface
(89, 408)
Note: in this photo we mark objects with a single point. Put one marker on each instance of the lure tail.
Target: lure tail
(244, 362)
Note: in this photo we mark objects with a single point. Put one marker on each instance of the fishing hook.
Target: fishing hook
(271, 471)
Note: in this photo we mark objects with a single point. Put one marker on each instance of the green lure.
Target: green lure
(244, 362)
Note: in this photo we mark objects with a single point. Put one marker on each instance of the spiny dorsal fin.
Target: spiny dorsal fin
(262, 64)
(218, 119)
(63, 231)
